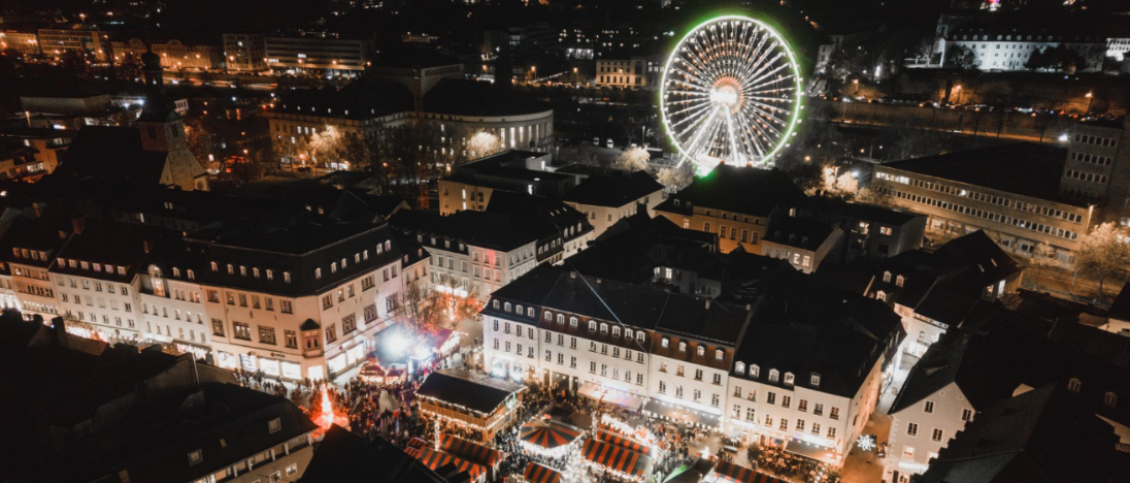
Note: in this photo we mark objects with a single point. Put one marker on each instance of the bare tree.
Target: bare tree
(632, 159)
(423, 308)
(677, 177)
(1043, 257)
(1104, 254)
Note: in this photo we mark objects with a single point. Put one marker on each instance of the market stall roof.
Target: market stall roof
(740, 474)
(616, 458)
(461, 388)
(438, 459)
(680, 413)
(536, 473)
(549, 434)
(809, 450)
(691, 473)
(614, 396)
(474, 452)
(417, 442)
(613, 438)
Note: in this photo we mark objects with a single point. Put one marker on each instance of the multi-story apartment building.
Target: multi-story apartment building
(30, 246)
(804, 243)
(475, 253)
(22, 42)
(637, 72)
(871, 232)
(1012, 192)
(738, 201)
(470, 185)
(244, 52)
(936, 291)
(318, 52)
(97, 280)
(611, 197)
(174, 54)
(1008, 49)
(809, 368)
(48, 146)
(303, 300)
(1098, 168)
(661, 351)
(96, 43)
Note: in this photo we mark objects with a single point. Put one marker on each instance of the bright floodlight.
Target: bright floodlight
(730, 92)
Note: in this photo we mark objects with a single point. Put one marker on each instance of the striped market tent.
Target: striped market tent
(624, 442)
(739, 474)
(473, 452)
(436, 459)
(536, 473)
(616, 458)
(548, 435)
(418, 443)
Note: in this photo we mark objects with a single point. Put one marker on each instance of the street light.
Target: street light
(1090, 97)
(856, 82)
(959, 93)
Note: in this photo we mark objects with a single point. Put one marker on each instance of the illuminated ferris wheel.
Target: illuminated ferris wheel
(730, 93)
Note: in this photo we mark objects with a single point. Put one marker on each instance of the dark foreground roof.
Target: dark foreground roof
(462, 388)
(344, 457)
(111, 152)
(471, 98)
(749, 191)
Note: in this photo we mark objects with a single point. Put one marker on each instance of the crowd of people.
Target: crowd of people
(775, 460)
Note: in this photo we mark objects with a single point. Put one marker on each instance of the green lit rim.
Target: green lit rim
(793, 64)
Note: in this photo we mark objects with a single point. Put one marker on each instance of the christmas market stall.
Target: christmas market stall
(726, 472)
(536, 473)
(476, 453)
(549, 438)
(479, 405)
(618, 462)
(436, 460)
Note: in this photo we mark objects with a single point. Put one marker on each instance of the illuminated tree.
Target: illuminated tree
(1104, 253)
(960, 57)
(632, 159)
(676, 178)
(483, 144)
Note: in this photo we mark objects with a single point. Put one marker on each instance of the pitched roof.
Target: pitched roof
(459, 387)
(614, 190)
(111, 152)
(1042, 435)
(805, 326)
(343, 456)
(748, 191)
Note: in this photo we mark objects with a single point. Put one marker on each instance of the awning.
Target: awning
(613, 396)
(609, 437)
(536, 473)
(656, 407)
(548, 434)
(810, 450)
(616, 458)
(417, 443)
(740, 474)
(473, 452)
(436, 459)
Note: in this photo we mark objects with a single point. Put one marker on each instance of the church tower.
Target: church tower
(162, 131)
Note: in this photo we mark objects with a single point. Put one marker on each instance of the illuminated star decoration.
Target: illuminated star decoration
(730, 93)
(866, 442)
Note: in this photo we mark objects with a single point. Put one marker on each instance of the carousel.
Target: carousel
(549, 438)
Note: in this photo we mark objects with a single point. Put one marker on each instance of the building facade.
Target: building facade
(56, 42)
(244, 52)
(317, 53)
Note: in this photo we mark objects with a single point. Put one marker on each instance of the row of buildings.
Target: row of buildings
(1032, 199)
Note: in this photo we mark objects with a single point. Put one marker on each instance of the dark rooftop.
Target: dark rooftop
(748, 191)
(1026, 169)
(462, 388)
(615, 190)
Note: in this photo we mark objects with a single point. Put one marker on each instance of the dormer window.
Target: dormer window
(755, 370)
(789, 378)
(900, 281)
(214, 267)
(774, 375)
(530, 312)
(494, 304)
(739, 367)
(718, 354)
(1074, 385)
(886, 277)
(274, 425)
(682, 347)
(616, 332)
(701, 350)
(518, 310)
(191, 274)
(881, 296)
(628, 333)
(231, 269)
(639, 336)
(317, 273)
(664, 342)
(333, 267)
(592, 326)
(506, 306)
(1110, 399)
(549, 315)
(814, 380)
(242, 271)
(286, 277)
(195, 457)
(176, 272)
